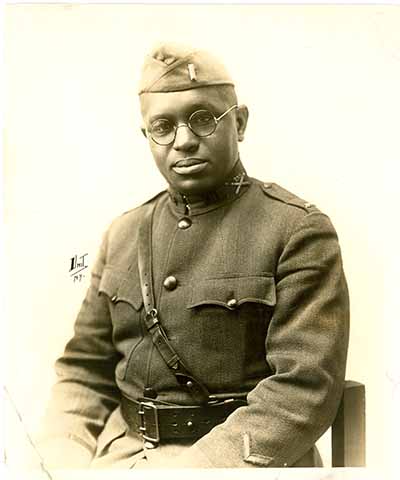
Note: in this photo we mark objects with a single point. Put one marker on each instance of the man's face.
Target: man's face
(194, 164)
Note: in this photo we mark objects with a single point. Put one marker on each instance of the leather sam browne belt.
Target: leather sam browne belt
(158, 422)
(183, 376)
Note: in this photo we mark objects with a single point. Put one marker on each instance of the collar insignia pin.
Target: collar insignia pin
(240, 184)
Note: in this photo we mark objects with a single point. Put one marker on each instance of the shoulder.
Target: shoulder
(280, 197)
(286, 212)
(124, 223)
(144, 206)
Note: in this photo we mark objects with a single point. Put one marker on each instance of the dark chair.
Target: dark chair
(348, 429)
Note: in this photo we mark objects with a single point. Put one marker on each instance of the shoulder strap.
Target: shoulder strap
(277, 192)
(152, 322)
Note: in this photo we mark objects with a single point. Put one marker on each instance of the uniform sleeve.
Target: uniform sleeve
(306, 349)
(85, 393)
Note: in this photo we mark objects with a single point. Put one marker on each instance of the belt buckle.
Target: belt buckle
(145, 407)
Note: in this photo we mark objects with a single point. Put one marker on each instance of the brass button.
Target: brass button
(189, 384)
(170, 283)
(184, 223)
(189, 424)
(114, 299)
(267, 185)
(232, 303)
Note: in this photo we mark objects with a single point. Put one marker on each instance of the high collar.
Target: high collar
(235, 185)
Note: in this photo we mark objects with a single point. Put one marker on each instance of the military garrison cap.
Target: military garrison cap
(172, 67)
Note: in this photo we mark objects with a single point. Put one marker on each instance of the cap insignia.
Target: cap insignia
(192, 72)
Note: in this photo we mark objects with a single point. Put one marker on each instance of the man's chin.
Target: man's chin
(191, 186)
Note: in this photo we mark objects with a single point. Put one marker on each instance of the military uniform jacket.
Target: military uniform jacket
(259, 305)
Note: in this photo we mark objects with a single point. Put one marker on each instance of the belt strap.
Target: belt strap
(158, 422)
(152, 322)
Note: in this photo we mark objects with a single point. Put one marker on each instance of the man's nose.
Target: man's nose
(185, 139)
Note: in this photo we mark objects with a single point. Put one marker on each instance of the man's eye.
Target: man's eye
(161, 127)
(202, 118)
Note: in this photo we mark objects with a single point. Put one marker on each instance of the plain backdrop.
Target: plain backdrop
(321, 84)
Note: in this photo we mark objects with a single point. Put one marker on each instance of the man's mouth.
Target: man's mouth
(188, 166)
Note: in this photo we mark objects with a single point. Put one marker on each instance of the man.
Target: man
(214, 332)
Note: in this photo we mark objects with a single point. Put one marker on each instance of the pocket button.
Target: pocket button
(232, 303)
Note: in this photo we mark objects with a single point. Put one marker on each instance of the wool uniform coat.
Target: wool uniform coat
(258, 304)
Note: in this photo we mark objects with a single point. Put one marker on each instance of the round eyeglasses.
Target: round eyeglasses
(201, 122)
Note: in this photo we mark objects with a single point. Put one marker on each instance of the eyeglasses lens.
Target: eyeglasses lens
(163, 131)
(202, 123)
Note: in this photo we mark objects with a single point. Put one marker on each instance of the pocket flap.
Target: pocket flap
(231, 292)
(121, 286)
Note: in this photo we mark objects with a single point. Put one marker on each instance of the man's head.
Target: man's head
(195, 152)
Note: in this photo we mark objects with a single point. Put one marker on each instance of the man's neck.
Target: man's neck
(236, 182)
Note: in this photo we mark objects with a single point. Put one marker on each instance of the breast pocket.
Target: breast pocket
(122, 289)
(229, 319)
(231, 292)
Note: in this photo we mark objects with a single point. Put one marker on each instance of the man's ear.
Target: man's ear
(242, 115)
